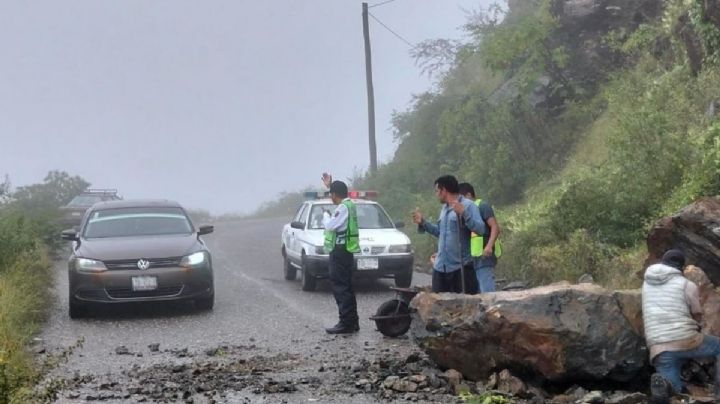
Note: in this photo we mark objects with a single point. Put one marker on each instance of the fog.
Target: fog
(219, 105)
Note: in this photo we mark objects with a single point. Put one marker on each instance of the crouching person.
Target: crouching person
(672, 314)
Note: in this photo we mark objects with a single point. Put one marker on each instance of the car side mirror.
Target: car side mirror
(298, 225)
(399, 225)
(69, 234)
(207, 229)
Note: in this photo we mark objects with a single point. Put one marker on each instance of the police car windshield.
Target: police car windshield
(132, 222)
(370, 216)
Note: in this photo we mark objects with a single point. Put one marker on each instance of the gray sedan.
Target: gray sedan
(143, 250)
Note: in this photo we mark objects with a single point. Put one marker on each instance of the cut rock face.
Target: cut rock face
(560, 333)
(695, 230)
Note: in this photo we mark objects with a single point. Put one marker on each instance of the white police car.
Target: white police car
(385, 252)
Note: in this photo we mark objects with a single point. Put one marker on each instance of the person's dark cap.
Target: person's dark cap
(339, 188)
(674, 258)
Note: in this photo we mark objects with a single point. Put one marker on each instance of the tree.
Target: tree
(57, 189)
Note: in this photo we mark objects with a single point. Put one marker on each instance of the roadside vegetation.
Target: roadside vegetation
(578, 157)
(29, 239)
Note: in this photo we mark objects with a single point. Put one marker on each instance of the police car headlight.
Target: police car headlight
(88, 265)
(193, 260)
(400, 248)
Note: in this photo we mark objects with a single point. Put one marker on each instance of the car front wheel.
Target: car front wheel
(309, 282)
(205, 303)
(289, 270)
(76, 309)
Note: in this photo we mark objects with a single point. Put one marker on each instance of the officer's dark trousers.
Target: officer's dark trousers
(341, 271)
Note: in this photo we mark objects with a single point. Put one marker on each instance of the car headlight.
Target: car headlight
(401, 248)
(88, 265)
(320, 250)
(193, 260)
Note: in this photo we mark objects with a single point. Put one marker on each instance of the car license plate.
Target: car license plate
(142, 283)
(367, 263)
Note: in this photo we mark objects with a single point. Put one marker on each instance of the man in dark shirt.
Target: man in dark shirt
(486, 253)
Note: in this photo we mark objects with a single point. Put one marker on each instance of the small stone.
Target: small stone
(122, 350)
(627, 398)
(462, 388)
(178, 368)
(492, 381)
(510, 384)
(405, 386)
(390, 381)
(593, 397)
(412, 358)
(154, 347)
(435, 382)
(453, 377)
(421, 380)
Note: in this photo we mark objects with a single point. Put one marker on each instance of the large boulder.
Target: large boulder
(695, 229)
(559, 333)
(709, 299)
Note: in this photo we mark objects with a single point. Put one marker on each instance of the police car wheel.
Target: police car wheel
(404, 279)
(309, 282)
(289, 270)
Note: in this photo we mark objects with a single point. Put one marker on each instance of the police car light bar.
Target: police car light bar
(363, 194)
(316, 195)
(351, 194)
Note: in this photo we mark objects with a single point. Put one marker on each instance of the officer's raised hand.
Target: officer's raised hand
(417, 216)
(327, 179)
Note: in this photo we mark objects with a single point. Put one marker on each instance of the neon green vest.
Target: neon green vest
(477, 241)
(350, 237)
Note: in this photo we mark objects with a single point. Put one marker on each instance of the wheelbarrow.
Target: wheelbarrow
(393, 318)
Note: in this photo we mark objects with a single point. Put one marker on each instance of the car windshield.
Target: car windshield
(87, 200)
(370, 216)
(129, 222)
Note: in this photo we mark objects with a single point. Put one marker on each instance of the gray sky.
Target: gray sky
(216, 104)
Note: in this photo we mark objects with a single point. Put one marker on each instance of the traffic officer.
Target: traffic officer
(342, 240)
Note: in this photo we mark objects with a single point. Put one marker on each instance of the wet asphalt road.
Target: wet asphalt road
(255, 307)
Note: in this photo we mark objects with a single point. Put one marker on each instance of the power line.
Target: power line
(391, 31)
(381, 4)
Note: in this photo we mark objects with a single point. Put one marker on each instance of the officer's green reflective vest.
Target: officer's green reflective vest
(477, 241)
(350, 237)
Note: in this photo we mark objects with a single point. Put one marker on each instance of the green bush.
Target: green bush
(24, 299)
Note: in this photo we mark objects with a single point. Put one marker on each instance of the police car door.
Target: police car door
(295, 235)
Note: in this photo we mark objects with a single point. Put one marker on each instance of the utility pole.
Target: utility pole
(370, 90)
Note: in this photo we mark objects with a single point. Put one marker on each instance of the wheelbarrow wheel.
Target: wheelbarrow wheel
(393, 327)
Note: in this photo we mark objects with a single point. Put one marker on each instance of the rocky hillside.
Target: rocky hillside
(581, 121)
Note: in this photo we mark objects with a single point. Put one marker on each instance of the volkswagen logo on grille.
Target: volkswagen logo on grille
(143, 264)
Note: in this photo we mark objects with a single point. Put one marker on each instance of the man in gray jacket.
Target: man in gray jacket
(672, 315)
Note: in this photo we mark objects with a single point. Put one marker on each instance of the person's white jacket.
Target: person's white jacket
(666, 310)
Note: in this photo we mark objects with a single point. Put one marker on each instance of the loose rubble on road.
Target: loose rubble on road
(241, 373)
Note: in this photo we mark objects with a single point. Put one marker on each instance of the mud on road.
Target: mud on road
(263, 342)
